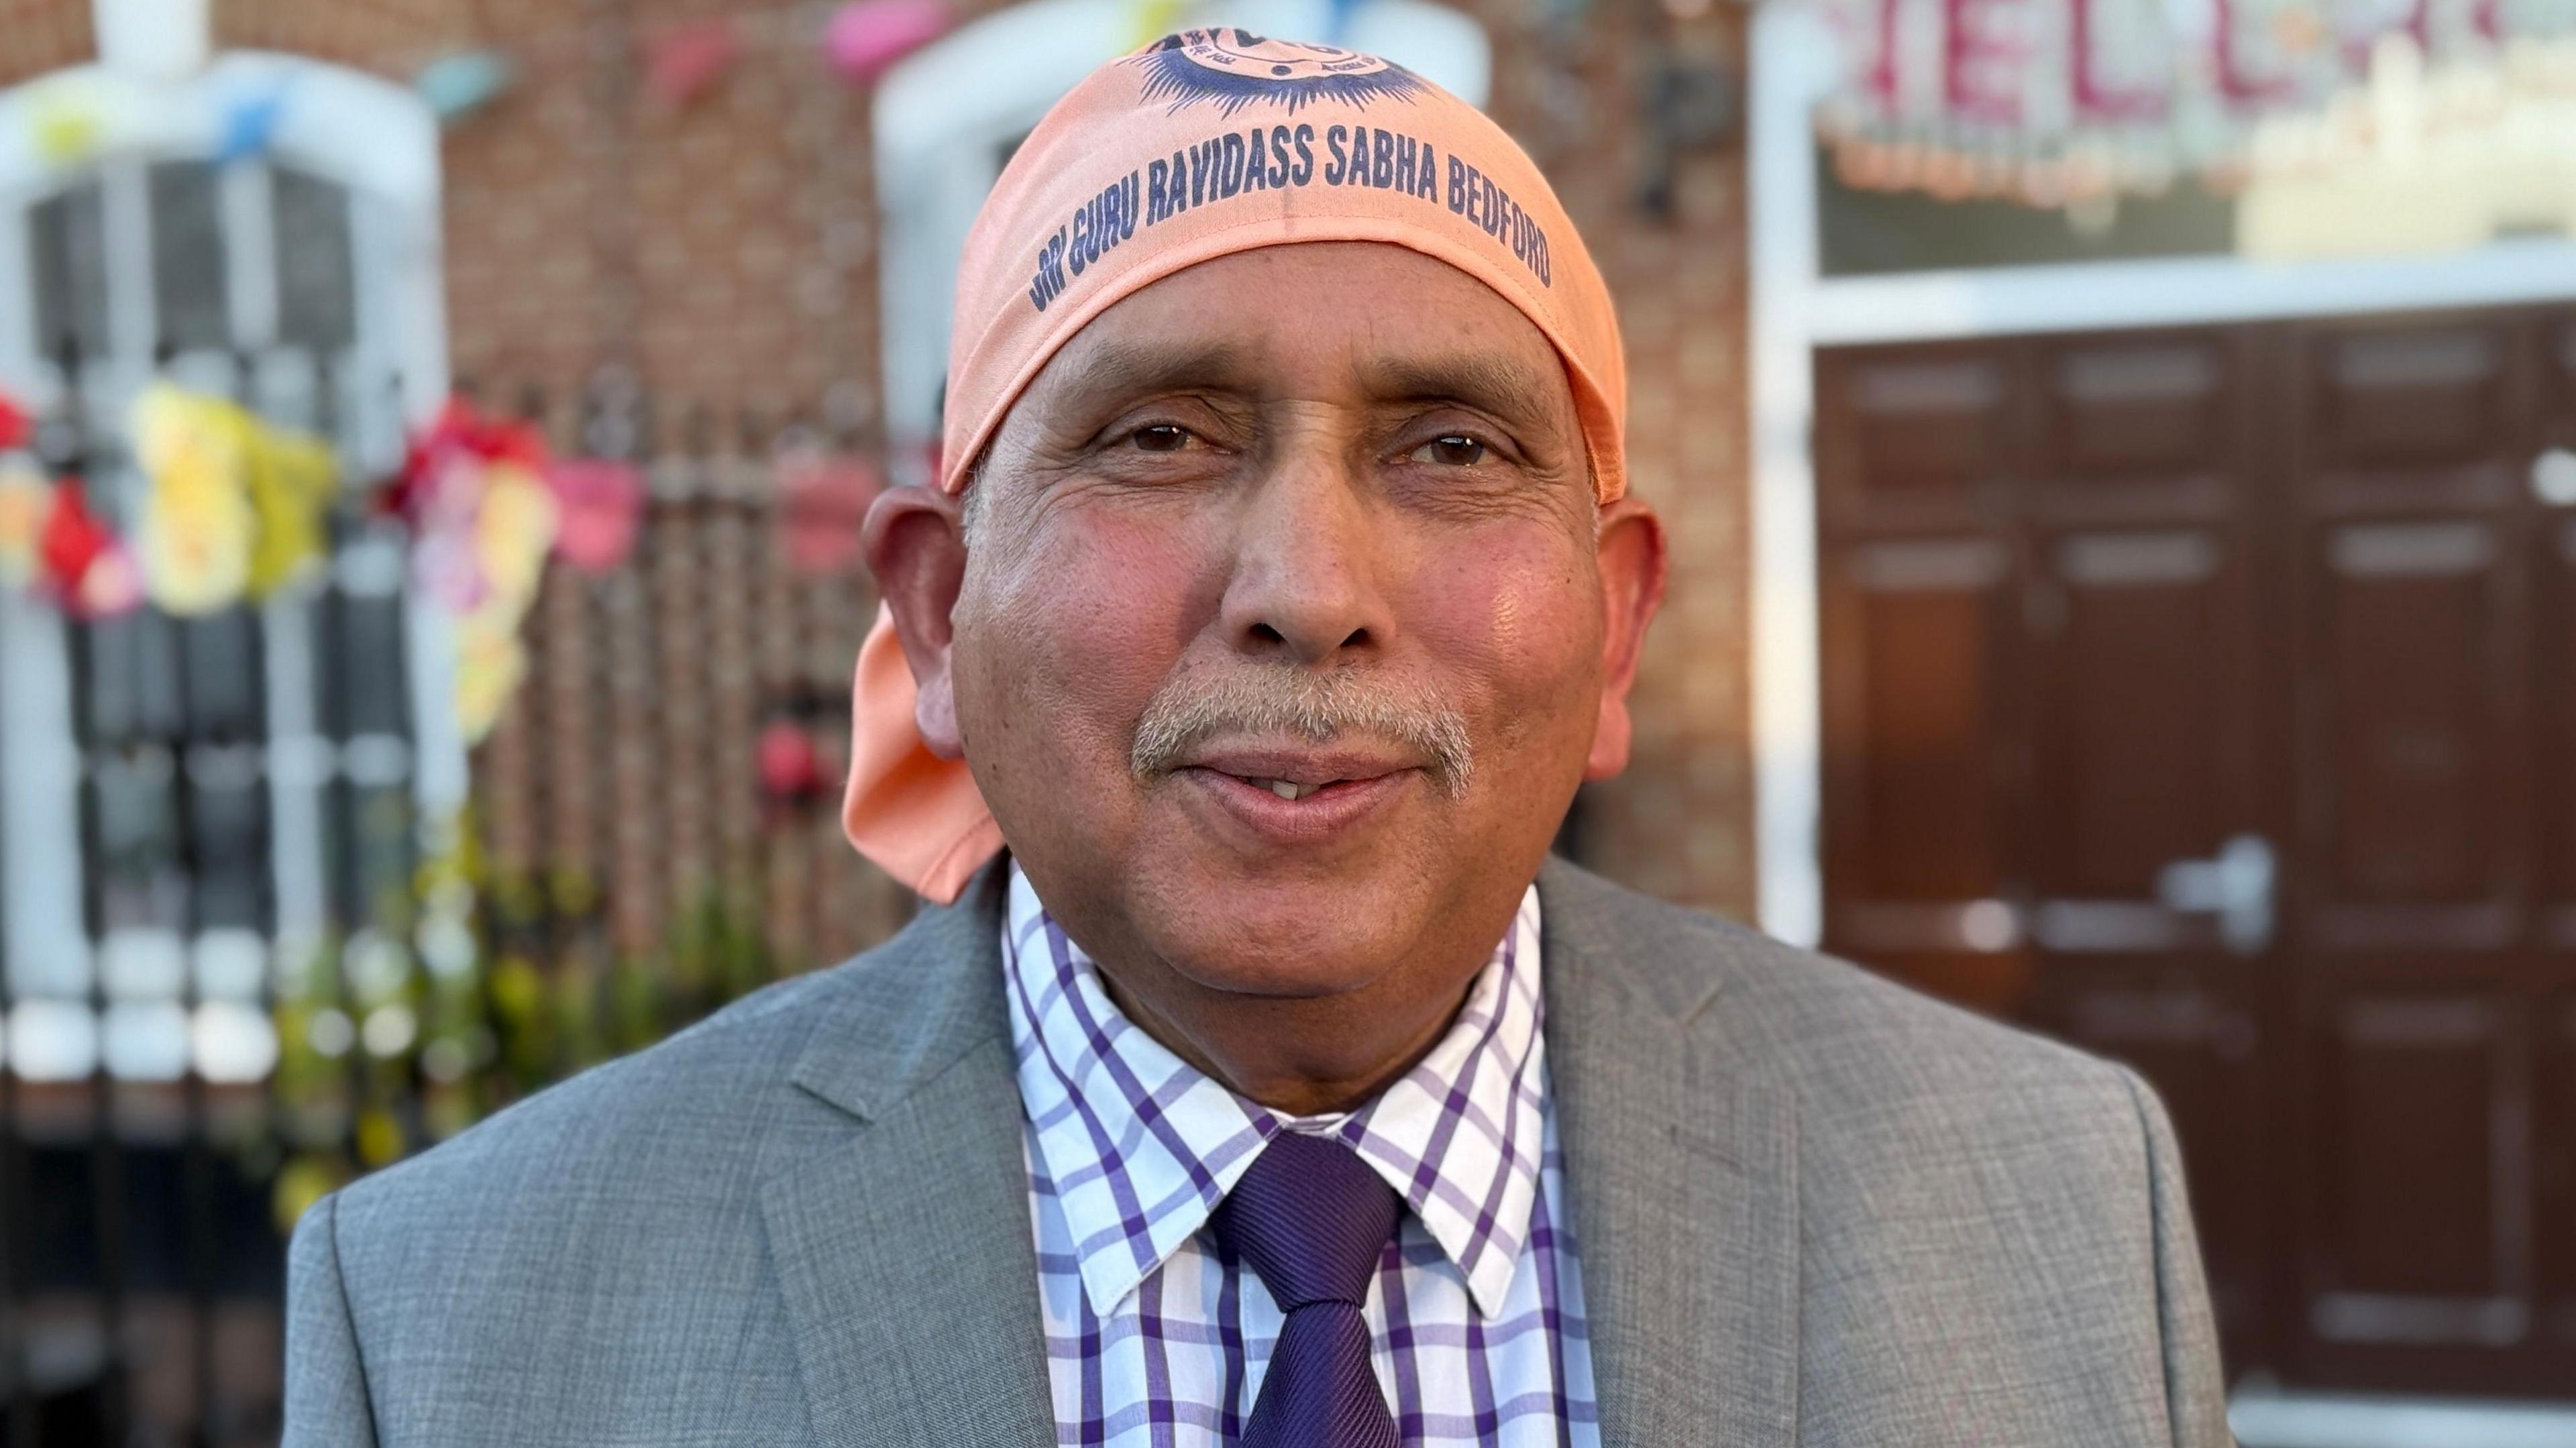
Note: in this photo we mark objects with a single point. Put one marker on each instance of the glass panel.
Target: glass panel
(223, 675)
(188, 258)
(133, 670)
(230, 822)
(135, 866)
(374, 840)
(368, 664)
(316, 291)
(68, 245)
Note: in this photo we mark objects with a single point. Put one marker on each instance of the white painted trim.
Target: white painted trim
(1789, 50)
(2275, 1419)
(46, 949)
(2181, 291)
(359, 130)
(160, 40)
(380, 143)
(1796, 310)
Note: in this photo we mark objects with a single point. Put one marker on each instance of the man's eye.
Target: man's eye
(1160, 437)
(1453, 450)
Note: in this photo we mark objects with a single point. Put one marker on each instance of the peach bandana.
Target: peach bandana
(1203, 144)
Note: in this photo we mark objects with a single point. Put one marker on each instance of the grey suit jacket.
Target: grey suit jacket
(1811, 1206)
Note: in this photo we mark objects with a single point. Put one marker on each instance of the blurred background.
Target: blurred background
(2120, 457)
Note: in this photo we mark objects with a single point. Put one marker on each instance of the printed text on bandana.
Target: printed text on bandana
(1272, 158)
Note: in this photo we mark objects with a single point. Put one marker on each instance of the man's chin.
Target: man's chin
(1292, 935)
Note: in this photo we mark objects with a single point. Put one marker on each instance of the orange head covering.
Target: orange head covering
(1203, 144)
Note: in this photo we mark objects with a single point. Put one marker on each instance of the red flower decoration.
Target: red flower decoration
(457, 430)
(72, 539)
(16, 427)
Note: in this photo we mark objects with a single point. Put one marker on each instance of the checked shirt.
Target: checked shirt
(1476, 1312)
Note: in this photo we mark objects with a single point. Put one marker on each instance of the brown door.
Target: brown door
(2191, 696)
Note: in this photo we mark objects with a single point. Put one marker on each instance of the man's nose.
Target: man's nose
(1304, 587)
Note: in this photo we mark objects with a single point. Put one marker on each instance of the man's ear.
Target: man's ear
(1631, 549)
(916, 546)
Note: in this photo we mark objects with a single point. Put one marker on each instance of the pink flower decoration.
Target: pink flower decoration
(865, 38)
(600, 502)
(111, 585)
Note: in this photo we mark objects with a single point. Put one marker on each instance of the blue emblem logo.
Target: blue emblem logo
(1232, 68)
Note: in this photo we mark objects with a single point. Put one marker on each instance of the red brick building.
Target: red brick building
(725, 251)
(680, 281)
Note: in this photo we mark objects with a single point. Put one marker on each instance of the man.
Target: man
(1257, 1078)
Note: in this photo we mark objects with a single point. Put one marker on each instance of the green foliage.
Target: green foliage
(477, 988)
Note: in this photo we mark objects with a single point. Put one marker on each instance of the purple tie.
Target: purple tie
(1311, 1218)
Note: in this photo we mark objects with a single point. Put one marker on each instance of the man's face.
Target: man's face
(1309, 521)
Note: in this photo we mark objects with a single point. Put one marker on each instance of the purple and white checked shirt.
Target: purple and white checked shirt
(1152, 1342)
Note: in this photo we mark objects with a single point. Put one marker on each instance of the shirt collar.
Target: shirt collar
(1139, 1146)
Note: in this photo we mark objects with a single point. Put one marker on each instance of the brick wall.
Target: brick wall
(724, 253)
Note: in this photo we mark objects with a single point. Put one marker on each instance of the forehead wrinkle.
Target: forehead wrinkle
(1108, 370)
(1477, 379)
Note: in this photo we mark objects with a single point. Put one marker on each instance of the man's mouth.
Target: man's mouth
(1288, 788)
(1300, 795)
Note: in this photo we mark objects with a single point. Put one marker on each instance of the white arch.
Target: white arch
(364, 133)
(379, 142)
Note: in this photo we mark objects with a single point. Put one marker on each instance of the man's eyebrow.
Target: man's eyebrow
(1114, 370)
(1484, 382)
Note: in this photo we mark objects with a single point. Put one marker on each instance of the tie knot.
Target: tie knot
(1311, 1218)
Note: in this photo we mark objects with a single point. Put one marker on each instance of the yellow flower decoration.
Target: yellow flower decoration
(292, 479)
(513, 532)
(235, 505)
(490, 662)
(197, 525)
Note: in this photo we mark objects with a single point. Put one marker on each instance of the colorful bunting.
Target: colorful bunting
(250, 124)
(68, 126)
(456, 86)
(865, 38)
(2053, 102)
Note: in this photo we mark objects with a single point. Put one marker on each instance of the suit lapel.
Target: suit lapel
(904, 1250)
(1681, 1160)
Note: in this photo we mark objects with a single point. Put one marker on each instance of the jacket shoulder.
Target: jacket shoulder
(1844, 1037)
(714, 1104)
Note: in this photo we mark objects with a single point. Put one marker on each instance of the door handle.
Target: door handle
(2235, 885)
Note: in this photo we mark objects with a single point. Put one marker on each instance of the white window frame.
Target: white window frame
(943, 115)
(1796, 309)
(379, 142)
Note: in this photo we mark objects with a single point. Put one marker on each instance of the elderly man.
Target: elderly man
(1257, 1079)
